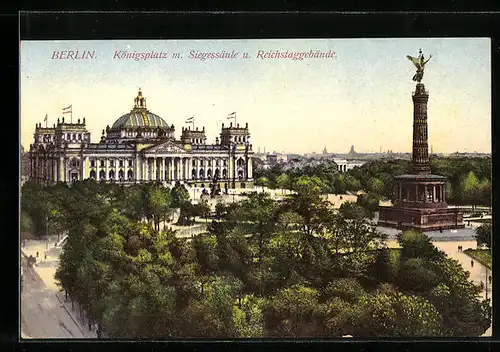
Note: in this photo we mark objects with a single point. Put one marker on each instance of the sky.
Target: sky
(361, 95)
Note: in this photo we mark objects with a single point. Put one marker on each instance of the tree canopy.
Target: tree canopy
(264, 268)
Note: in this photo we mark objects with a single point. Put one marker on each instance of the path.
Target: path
(42, 314)
(44, 311)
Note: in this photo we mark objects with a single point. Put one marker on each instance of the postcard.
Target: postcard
(278, 188)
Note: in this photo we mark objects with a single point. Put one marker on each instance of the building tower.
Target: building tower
(419, 198)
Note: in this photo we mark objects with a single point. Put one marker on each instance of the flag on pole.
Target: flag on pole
(67, 110)
(46, 117)
(231, 115)
(190, 119)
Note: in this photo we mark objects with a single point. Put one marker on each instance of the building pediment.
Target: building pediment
(165, 148)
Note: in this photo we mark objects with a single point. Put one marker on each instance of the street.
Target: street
(42, 314)
(44, 311)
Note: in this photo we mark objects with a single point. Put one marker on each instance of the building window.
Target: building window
(121, 163)
(74, 163)
(102, 163)
(112, 163)
(130, 163)
(92, 163)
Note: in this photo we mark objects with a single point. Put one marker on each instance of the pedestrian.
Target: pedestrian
(45, 256)
(489, 279)
(37, 254)
(481, 285)
(472, 263)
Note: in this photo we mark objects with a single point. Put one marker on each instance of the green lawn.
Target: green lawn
(482, 256)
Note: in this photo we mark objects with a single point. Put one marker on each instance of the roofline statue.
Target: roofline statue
(419, 63)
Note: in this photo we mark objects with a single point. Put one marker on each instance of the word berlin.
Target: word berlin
(123, 54)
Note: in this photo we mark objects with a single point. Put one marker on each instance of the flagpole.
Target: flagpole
(71, 113)
(193, 122)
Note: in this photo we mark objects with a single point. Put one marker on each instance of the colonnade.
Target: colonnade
(134, 168)
(421, 193)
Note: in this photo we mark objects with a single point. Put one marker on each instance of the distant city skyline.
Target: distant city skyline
(360, 97)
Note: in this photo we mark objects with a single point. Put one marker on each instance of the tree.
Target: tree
(415, 244)
(294, 312)
(347, 289)
(179, 194)
(203, 210)
(386, 265)
(283, 181)
(470, 188)
(307, 202)
(483, 235)
(374, 185)
(26, 223)
(257, 217)
(262, 181)
(248, 317)
(352, 210)
(457, 300)
(158, 203)
(398, 315)
(369, 202)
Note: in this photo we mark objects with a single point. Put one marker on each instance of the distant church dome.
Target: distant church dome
(139, 117)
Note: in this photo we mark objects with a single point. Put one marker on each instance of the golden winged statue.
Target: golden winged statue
(419, 63)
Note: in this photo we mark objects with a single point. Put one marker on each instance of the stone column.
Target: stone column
(61, 169)
(107, 169)
(420, 155)
(231, 170)
(54, 174)
(137, 173)
(148, 169)
(171, 171)
(250, 169)
(443, 192)
(154, 169)
(84, 166)
(434, 193)
(181, 169)
(163, 169)
(96, 161)
(117, 164)
(198, 167)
